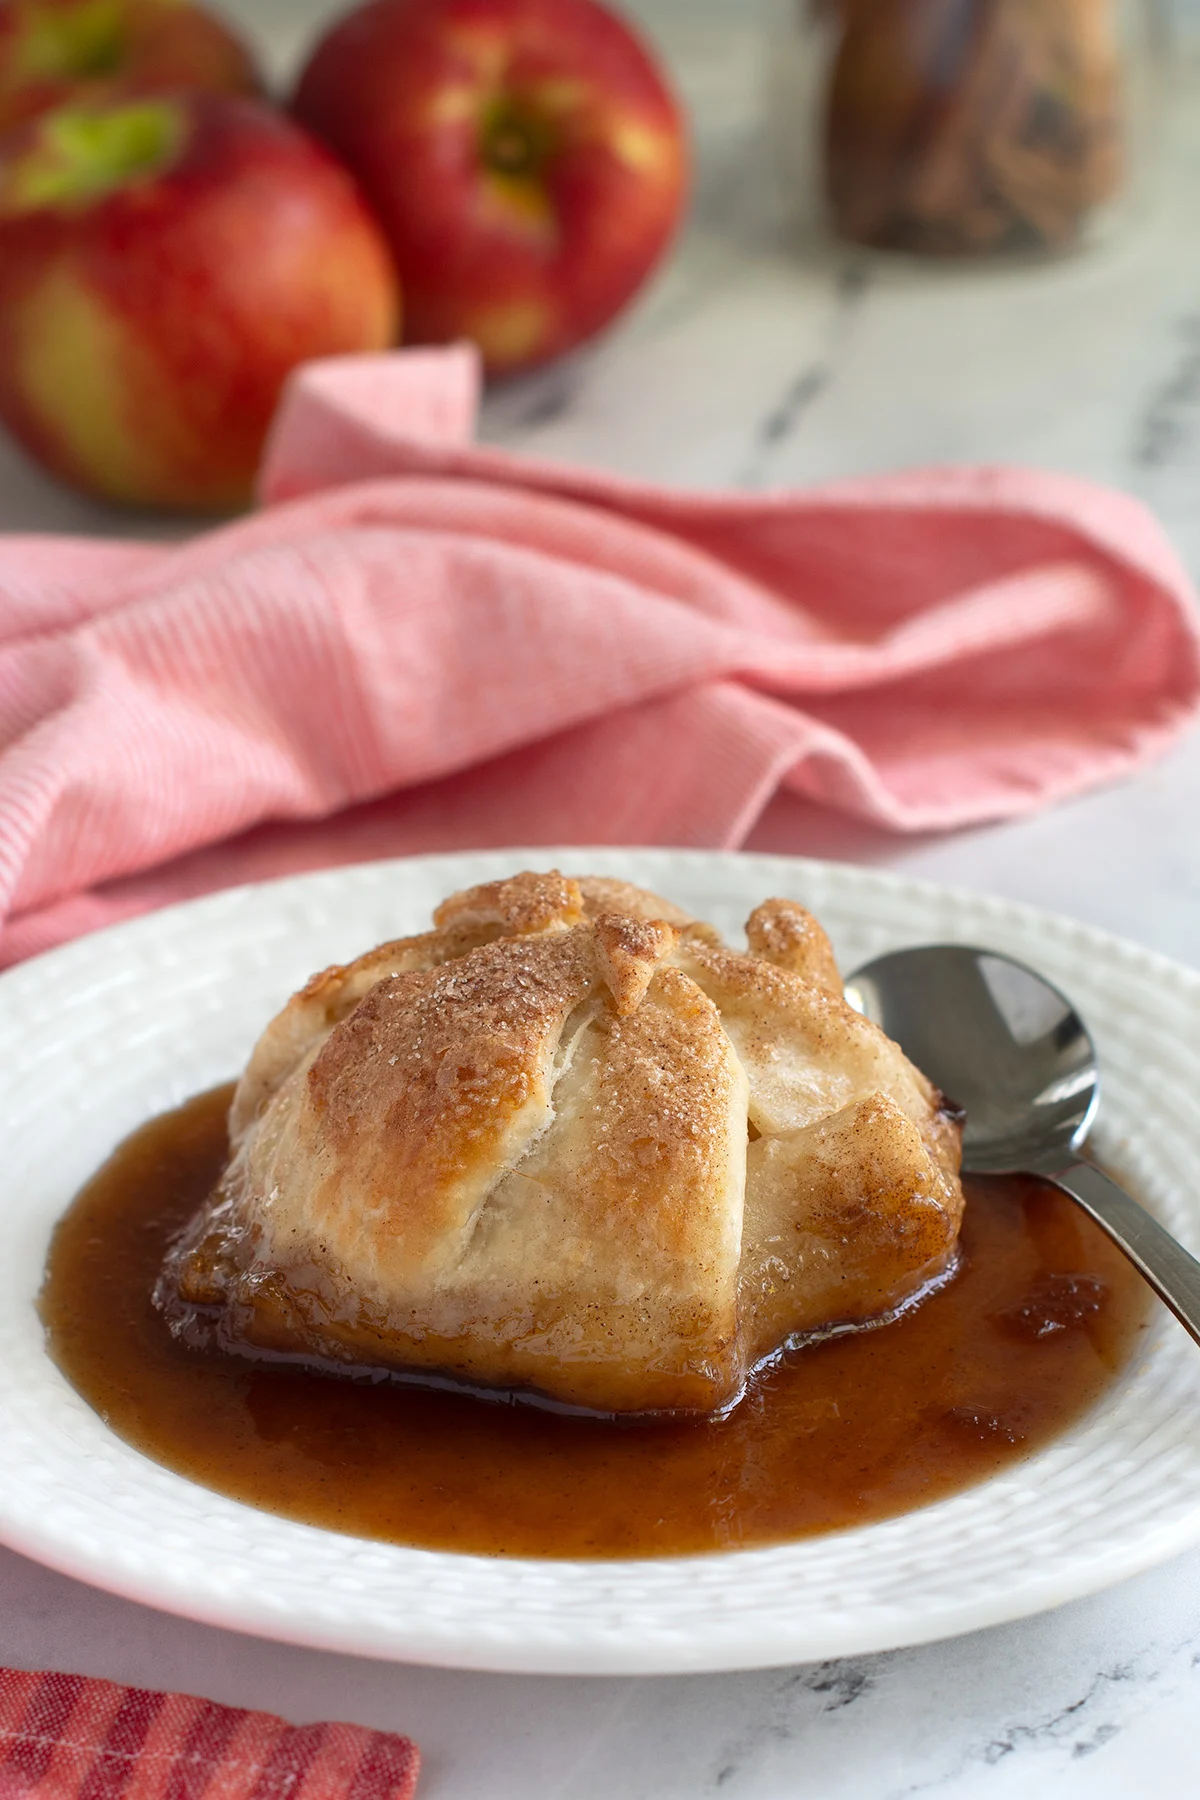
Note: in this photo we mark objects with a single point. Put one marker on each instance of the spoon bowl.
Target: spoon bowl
(998, 1040)
(1008, 1048)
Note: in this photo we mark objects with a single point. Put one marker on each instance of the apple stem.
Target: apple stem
(82, 152)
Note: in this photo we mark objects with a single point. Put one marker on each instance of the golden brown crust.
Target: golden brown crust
(783, 933)
(436, 1083)
(570, 1142)
(846, 1220)
(629, 952)
(522, 905)
(331, 996)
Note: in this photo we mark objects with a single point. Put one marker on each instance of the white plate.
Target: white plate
(98, 1036)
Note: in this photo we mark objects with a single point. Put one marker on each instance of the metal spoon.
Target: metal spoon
(1016, 1055)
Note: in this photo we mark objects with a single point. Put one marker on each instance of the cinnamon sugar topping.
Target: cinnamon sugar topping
(524, 905)
(629, 953)
(783, 933)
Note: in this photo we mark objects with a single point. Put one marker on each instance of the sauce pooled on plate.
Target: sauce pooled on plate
(1041, 1317)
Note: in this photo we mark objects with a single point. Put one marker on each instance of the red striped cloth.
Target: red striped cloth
(70, 1737)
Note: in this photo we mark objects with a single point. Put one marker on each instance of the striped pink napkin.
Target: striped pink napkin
(67, 1737)
(420, 645)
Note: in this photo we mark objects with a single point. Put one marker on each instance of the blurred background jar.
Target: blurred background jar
(965, 128)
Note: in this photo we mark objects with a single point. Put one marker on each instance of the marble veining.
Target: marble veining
(788, 414)
(1169, 428)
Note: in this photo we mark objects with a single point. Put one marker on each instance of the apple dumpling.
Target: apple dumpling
(570, 1144)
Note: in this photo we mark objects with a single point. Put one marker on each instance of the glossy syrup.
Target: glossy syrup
(1042, 1316)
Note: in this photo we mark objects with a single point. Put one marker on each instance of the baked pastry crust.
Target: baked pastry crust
(569, 1143)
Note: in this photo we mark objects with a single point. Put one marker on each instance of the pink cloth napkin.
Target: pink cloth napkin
(416, 644)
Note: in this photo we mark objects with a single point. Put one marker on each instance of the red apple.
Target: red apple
(54, 51)
(525, 158)
(164, 264)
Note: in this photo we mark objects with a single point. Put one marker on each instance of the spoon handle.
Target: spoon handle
(1171, 1271)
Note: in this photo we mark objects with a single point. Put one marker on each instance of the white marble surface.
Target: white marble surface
(749, 365)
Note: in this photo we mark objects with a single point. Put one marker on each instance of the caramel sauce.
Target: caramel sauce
(1042, 1315)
